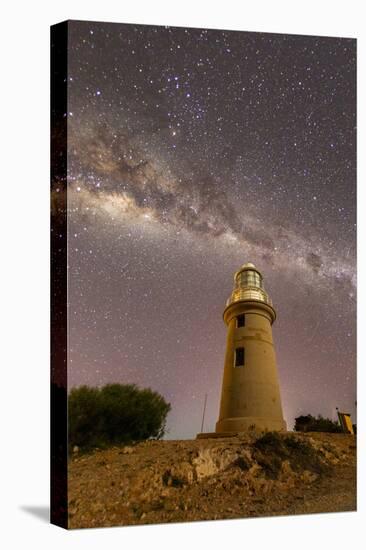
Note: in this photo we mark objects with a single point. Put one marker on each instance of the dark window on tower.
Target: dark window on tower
(240, 321)
(239, 357)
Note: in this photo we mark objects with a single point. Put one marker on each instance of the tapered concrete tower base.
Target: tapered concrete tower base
(245, 423)
(250, 397)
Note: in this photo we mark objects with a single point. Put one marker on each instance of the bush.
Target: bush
(114, 414)
(273, 448)
(311, 423)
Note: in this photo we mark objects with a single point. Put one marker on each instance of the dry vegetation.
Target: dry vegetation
(245, 476)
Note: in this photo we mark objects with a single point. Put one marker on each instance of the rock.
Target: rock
(309, 477)
(127, 450)
(255, 470)
(213, 460)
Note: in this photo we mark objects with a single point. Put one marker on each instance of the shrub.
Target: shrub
(311, 423)
(115, 414)
(272, 449)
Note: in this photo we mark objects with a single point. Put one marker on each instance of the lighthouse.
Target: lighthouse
(250, 396)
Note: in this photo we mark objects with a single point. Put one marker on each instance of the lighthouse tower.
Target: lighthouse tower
(250, 391)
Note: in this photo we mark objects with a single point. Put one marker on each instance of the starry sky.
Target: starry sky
(191, 152)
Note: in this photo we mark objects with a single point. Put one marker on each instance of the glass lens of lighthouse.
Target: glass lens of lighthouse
(249, 278)
(248, 286)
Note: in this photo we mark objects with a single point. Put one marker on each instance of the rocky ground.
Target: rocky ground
(249, 475)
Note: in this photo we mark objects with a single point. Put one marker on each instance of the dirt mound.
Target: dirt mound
(249, 475)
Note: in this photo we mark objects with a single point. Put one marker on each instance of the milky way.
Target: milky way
(190, 153)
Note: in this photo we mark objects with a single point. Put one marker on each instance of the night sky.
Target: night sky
(190, 153)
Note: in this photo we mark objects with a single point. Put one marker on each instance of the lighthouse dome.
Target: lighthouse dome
(251, 271)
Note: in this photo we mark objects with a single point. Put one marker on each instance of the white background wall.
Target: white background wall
(24, 311)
